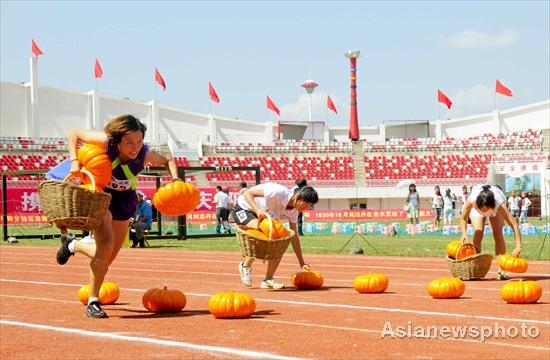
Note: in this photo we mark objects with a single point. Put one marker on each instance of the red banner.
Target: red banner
(362, 215)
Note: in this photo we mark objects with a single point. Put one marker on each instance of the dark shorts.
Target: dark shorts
(242, 216)
(123, 204)
(438, 212)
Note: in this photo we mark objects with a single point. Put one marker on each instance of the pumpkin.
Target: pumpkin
(176, 198)
(108, 293)
(512, 264)
(521, 292)
(257, 233)
(456, 250)
(371, 283)
(163, 300)
(94, 159)
(90, 187)
(273, 229)
(307, 280)
(446, 288)
(231, 305)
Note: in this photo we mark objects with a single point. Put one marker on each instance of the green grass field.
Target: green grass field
(419, 245)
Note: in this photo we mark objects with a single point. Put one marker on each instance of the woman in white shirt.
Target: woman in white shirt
(281, 204)
(437, 206)
(489, 201)
(525, 203)
(448, 210)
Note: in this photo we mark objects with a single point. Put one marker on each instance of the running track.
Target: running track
(41, 318)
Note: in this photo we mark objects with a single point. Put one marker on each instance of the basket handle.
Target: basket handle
(462, 245)
(85, 172)
(270, 219)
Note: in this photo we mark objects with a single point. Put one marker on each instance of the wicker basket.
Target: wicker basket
(472, 267)
(252, 246)
(70, 207)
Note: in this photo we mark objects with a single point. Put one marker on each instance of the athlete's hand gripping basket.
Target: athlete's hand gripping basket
(262, 247)
(472, 267)
(68, 206)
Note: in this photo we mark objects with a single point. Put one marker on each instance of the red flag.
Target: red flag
(98, 71)
(36, 50)
(159, 79)
(501, 89)
(271, 105)
(442, 98)
(330, 104)
(213, 95)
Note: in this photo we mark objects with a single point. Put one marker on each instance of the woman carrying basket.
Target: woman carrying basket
(282, 204)
(489, 201)
(123, 140)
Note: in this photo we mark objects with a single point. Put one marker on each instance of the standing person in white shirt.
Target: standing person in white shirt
(221, 199)
(437, 206)
(448, 211)
(489, 201)
(283, 205)
(525, 203)
(514, 204)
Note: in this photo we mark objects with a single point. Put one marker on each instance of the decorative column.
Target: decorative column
(32, 125)
(353, 121)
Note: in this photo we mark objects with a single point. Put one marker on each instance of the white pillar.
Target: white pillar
(309, 107)
(382, 135)
(438, 129)
(155, 122)
(269, 132)
(212, 130)
(496, 122)
(326, 137)
(32, 125)
(94, 123)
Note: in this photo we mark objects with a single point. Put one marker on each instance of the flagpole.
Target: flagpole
(438, 112)
(495, 102)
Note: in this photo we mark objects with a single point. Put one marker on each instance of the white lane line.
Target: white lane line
(371, 331)
(347, 281)
(342, 306)
(171, 343)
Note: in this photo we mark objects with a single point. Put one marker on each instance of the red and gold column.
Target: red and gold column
(353, 120)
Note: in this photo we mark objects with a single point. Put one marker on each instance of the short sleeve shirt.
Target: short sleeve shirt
(274, 201)
(500, 199)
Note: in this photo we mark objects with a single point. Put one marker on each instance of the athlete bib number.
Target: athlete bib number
(119, 185)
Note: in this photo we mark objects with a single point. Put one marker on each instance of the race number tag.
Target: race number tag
(119, 185)
(241, 215)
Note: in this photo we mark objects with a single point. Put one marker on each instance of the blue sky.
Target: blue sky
(252, 49)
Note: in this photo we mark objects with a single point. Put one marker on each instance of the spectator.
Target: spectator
(413, 204)
(142, 221)
(448, 212)
(243, 188)
(221, 199)
(525, 203)
(437, 206)
(514, 205)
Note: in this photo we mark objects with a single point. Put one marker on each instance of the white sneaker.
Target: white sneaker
(271, 284)
(245, 274)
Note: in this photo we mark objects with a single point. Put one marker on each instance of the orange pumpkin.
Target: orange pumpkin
(94, 159)
(176, 198)
(231, 305)
(512, 264)
(108, 293)
(456, 250)
(521, 292)
(446, 288)
(273, 229)
(90, 187)
(163, 300)
(371, 283)
(307, 280)
(257, 233)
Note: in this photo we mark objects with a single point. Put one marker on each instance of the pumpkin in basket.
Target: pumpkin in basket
(176, 198)
(456, 250)
(273, 228)
(307, 279)
(90, 187)
(446, 288)
(257, 233)
(512, 264)
(521, 292)
(108, 293)
(231, 305)
(94, 159)
(163, 300)
(371, 283)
